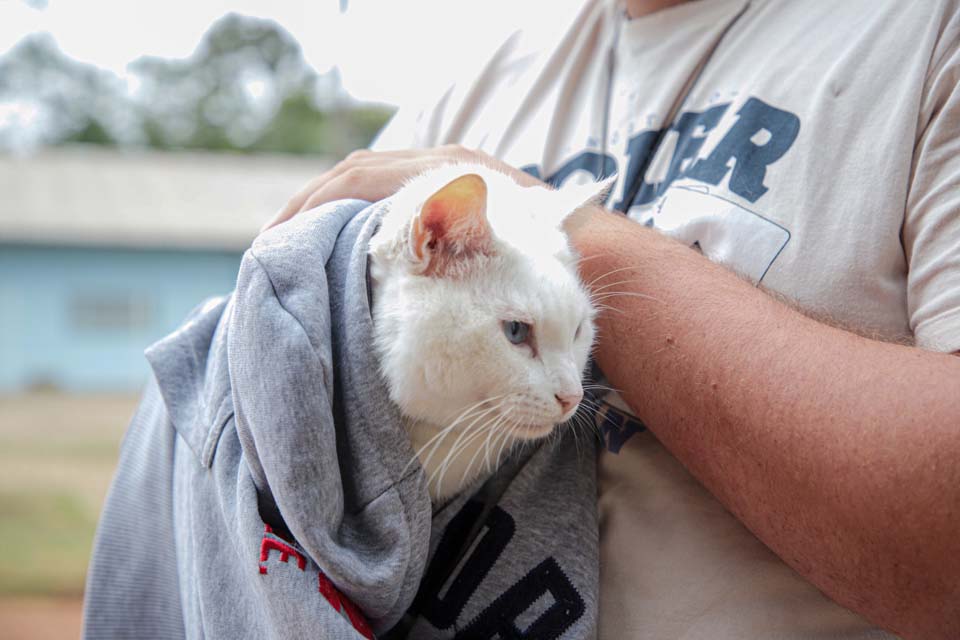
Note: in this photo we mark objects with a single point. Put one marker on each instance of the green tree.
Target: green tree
(246, 87)
(75, 101)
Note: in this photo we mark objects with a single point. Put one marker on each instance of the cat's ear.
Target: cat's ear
(452, 223)
(576, 197)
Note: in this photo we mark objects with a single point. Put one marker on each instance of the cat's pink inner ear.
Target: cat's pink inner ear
(453, 219)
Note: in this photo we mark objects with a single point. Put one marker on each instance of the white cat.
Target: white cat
(481, 324)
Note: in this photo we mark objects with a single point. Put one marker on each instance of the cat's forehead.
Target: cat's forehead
(529, 220)
(539, 289)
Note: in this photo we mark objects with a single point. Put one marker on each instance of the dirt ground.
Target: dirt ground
(57, 455)
(40, 618)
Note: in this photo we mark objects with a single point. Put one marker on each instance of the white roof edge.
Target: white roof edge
(97, 197)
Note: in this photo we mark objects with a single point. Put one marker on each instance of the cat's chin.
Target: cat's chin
(533, 431)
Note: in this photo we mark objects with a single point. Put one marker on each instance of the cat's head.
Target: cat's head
(477, 302)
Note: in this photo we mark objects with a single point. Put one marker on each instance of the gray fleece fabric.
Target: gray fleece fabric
(263, 488)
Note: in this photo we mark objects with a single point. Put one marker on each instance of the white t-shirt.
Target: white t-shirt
(814, 147)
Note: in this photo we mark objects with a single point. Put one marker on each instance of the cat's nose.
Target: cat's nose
(568, 400)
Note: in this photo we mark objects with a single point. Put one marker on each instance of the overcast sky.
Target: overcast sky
(378, 44)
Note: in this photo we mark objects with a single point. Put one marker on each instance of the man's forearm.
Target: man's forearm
(841, 453)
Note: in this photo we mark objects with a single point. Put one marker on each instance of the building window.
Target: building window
(115, 311)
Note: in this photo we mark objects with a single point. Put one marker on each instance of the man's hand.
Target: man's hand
(374, 175)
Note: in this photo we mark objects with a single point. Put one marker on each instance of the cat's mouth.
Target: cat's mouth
(528, 420)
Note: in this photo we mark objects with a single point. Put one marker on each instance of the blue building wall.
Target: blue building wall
(80, 318)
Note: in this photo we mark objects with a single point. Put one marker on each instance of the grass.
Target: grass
(47, 537)
(57, 454)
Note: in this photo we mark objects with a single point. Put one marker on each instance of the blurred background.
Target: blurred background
(141, 147)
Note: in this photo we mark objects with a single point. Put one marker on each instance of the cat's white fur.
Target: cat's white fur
(440, 336)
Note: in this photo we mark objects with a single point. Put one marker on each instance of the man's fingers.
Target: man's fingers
(295, 204)
(368, 175)
(366, 183)
(331, 191)
(298, 203)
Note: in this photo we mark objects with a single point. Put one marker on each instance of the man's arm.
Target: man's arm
(841, 453)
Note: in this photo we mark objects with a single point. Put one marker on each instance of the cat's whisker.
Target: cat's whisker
(596, 290)
(571, 425)
(478, 403)
(506, 439)
(504, 435)
(510, 431)
(583, 259)
(454, 451)
(452, 454)
(435, 440)
(583, 424)
(465, 439)
(590, 425)
(491, 434)
(590, 405)
(604, 307)
(590, 284)
(595, 386)
(492, 443)
(467, 414)
(616, 294)
(551, 439)
(592, 411)
(588, 422)
(581, 419)
(586, 401)
(466, 430)
(459, 447)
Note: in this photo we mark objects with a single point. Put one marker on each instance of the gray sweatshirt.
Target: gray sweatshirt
(263, 488)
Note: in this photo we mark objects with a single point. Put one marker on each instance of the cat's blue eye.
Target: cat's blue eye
(517, 332)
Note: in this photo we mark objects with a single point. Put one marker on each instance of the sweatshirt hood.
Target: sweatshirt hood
(324, 447)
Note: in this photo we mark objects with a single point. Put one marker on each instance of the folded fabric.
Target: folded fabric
(265, 486)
